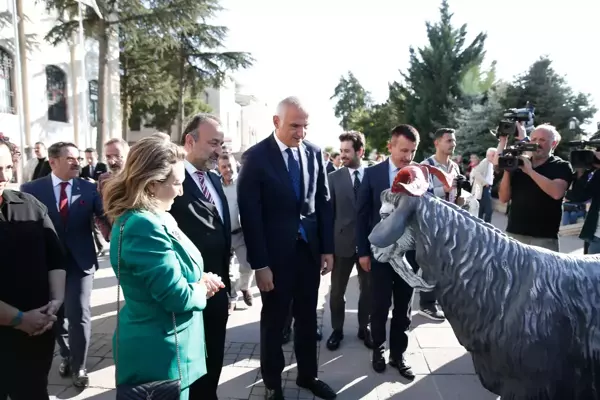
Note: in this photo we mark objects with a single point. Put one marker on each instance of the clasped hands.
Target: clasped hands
(37, 321)
(212, 282)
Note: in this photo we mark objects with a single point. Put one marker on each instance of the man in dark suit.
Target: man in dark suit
(72, 203)
(202, 214)
(344, 185)
(287, 221)
(94, 168)
(334, 162)
(385, 283)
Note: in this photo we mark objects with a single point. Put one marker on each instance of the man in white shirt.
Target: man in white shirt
(483, 179)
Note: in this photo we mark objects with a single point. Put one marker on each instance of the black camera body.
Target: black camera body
(509, 159)
(511, 116)
(581, 157)
(462, 183)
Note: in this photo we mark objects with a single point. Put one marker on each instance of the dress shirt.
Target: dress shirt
(209, 185)
(283, 147)
(234, 211)
(393, 171)
(361, 173)
(56, 181)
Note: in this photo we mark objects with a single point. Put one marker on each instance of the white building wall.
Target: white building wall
(41, 54)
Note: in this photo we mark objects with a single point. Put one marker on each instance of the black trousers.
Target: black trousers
(24, 365)
(297, 283)
(215, 327)
(385, 285)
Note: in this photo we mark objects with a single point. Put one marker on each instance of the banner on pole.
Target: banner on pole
(91, 3)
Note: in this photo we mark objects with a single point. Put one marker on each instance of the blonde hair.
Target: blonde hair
(150, 160)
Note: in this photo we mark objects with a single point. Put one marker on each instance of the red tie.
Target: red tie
(63, 203)
(204, 187)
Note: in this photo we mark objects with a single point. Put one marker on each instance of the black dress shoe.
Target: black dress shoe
(402, 367)
(319, 334)
(287, 336)
(64, 369)
(364, 334)
(247, 297)
(318, 388)
(333, 343)
(378, 361)
(81, 379)
(274, 394)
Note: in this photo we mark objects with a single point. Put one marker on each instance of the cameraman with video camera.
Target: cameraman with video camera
(535, 186)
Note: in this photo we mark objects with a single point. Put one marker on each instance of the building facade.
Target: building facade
(59, 103)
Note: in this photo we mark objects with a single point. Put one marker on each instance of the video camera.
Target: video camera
(511, 116)
(581, 157)
(462, 183)
(509, 159)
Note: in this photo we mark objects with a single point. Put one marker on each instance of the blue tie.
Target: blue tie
(294, 171)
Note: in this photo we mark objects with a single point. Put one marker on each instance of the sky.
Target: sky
(302, 48)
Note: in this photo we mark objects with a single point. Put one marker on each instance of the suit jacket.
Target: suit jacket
(76, 233)
(99, 170)
(341, 186)
(375, 181)
(330, 167)
(158, 267)
(200, 221)
(270, 213)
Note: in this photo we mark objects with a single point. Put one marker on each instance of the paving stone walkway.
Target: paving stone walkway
(444, 369)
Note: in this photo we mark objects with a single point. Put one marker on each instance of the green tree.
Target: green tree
(376, 124)
(431, 87)
(554, 100)
(351, 98)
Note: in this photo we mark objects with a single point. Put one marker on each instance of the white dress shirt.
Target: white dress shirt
(361, 173)
(283, 147)
(211, 189)
(56, 181)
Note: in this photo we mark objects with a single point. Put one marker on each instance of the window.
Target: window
(7, 96)
(93, 87)
(56, 90)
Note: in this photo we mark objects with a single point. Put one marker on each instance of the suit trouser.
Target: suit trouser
(73, 327)
(24, 365)
(297, 283)
(339, 282)
(385, 284)
(215, 327)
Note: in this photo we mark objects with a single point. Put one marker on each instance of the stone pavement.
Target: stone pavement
(444, 369)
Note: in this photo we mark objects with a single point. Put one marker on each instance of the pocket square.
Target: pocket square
(75, 197)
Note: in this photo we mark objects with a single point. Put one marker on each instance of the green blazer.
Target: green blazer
(159, 265)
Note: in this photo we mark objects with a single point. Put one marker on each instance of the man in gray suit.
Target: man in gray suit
(72, 202)
(343, 186)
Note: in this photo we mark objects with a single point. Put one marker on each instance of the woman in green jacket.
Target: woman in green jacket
(160, 271)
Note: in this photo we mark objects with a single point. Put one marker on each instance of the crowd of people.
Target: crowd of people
(175, 214)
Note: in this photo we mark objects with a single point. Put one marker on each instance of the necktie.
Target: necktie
(203, 186)
(356, 183)
(63, 202)
(294, 172)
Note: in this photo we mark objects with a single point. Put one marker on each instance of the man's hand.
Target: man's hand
(521, 134)
(264, 279)
(526, 167)
(326, 263)
(212, 282)
(35, 321)
(365, 263)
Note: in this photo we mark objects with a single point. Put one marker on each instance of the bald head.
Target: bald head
(291, 121)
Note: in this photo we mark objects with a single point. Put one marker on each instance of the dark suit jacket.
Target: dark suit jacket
(99, 170)
(375, 181)
(199, 220)
(76, 233)
(330, 167)
(341, 186)
(270, 212)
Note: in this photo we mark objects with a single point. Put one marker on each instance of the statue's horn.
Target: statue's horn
(411, 180)
(438, 173)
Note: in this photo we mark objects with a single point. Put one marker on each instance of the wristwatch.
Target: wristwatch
(17, 320)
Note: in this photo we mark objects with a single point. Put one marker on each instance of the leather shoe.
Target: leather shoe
(402, 367)
(319, 334)
(64, 369)
(274, 394)
(364, 334)
(81, 379)
(317, 387)
(247, 297)
(378, 361)
(334, 341)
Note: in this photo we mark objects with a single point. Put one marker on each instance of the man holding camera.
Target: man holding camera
(536, 189)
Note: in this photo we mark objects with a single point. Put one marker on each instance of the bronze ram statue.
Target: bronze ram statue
(529, 317)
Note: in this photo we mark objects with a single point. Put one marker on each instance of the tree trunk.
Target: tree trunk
(101, 130)
(180, 99)
(124, 101)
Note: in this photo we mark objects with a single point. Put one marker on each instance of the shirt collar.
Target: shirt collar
(282, 146)
(190, 168)
(57, 181)
(360, 170)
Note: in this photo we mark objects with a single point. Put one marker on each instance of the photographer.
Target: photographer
(536, 190)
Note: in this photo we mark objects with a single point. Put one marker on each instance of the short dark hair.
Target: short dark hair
(56, 150)
(408, 131)
(40, 143)
(195, 122)
(334, 154)
(441, 132)
(91, 150)
(357, 139)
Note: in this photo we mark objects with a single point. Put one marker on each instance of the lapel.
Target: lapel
(384, 175)
(180, 241)
(50, 200)
(216, 182)
(76, 199)
(304, 167)
(347, 184)
(276, 159)
(190, 186)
